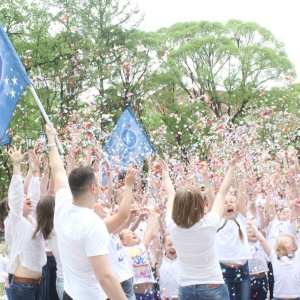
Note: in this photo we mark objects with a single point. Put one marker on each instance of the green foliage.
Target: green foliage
(88, 61)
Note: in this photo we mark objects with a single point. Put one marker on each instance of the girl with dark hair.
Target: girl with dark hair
(53, 268)
(194, 234)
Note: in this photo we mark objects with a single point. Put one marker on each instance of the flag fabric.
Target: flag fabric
(13, 80)
(5, 140)
(128, 141)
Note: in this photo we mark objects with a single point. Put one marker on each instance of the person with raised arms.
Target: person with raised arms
(82, 236)
(194, 236)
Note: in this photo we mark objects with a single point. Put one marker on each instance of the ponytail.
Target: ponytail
(241, 236)
(222, 225)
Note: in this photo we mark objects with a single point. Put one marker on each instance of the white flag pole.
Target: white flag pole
(45, 116)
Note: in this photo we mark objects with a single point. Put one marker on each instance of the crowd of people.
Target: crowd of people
(184, 232)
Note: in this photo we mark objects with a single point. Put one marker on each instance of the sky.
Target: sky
(280, 17)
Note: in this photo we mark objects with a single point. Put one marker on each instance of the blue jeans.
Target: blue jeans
(203, 292)
(49, 273)
(237, 281)
(25, 291)
(127, 286)
(60, 287)
(7, 292)
(271, 280)
(259, 288)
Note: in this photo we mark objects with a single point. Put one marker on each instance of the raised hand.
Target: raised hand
(16, 155)
(237, 157)
(51, 133)
(130, 177)
(162, 163)
(33, 161)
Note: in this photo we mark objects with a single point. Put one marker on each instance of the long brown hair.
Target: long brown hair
(188, 207)
(44, 216)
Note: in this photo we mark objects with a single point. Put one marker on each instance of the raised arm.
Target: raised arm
(261, 238)
(45, 179)
(138, 220)
(16, 189)
(218, 205)
(152, 228)
(242, 199)
(270, 203)
(57, 168)
(109, 192)
(209, 190)
(115, 221)
(168, 185)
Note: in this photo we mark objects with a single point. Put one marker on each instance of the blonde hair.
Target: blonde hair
(188, 207)
(281, 249)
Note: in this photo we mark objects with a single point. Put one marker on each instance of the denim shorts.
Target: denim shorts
(203, 292)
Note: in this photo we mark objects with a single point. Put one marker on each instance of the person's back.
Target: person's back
(196, 250)
(80, 234)
(193, 234)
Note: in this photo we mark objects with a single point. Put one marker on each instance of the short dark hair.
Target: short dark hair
(80, 179)
(188, 207)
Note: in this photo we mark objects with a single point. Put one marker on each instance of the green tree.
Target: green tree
(226, 62)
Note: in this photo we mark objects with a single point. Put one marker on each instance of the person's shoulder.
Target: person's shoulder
(93, 222)
(63, 193)
(212, 216)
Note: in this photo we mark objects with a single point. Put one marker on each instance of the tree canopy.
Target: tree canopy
(88, 60)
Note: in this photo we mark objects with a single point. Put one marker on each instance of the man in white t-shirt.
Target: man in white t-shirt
(82, 236)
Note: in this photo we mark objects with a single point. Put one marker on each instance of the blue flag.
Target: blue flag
(128, 141)
(13, 81)
(5, 140)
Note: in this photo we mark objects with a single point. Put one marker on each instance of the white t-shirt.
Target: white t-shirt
(138, 257)
(168, 277)
(196, 250)
(286, 275)
(117, 257)
(53, 245)
(258, 260)
(80, 234)
(30, 252)
(230, 248)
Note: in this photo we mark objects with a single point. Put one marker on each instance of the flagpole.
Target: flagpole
(45, 116)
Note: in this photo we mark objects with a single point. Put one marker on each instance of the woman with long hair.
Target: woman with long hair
(194, 236)
(44, 219)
